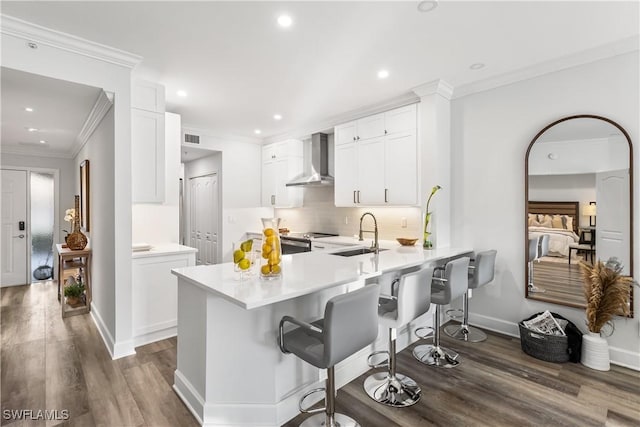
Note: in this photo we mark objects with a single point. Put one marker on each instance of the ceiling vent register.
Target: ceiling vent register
(191, 139)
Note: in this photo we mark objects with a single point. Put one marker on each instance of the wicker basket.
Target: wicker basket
(551, 348)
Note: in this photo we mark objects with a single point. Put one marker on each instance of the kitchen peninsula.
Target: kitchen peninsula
(230, 370)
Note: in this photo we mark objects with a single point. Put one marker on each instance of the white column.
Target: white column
(434, 142)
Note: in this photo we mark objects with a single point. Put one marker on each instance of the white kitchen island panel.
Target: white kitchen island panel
(230, 371)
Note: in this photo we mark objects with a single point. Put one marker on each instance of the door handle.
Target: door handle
(19, 236)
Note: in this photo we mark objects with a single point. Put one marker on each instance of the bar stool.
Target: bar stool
(350, 323)
(538, 247)
(443, 291)
(481, 272)
(412, 300)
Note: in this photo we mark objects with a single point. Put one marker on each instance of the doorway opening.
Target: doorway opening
(42, 201)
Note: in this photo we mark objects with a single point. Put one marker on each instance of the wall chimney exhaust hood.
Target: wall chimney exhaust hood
(319, 175)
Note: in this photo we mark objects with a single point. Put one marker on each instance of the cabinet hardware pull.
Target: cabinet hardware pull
(354, 196)
(273, 199)
(358, 138)
(358, 196)
(385, 131)
(354, 138)
(386, 191)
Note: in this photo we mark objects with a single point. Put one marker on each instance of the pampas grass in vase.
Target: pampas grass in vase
(607, 293)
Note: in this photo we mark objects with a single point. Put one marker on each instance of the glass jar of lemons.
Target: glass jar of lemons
(271, 251)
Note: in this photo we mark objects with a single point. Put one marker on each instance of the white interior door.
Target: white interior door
(203, 222)
(14, 240)
(612, 220)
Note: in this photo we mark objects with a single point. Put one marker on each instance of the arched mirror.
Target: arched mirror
(579, 191)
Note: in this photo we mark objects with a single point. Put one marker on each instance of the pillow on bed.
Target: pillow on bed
(546, 221)
(532, 220)
(558, 222)
(568, 222)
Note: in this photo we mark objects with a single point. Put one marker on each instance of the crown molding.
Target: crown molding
(332, 121)
(100, 108)
(610, 50)
(45, 36)
(439, 87)
(34, 151)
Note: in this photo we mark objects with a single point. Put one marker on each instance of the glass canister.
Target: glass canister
(271, 251)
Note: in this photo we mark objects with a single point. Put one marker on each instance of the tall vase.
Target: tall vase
(271, 250)
(595, 352)
(76, 241)
(426, 241)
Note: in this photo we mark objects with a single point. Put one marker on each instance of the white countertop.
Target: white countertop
(309, 272)
(162, 250)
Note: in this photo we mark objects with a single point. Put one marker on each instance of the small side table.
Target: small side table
(68, 260)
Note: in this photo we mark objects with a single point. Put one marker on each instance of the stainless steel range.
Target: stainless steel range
(293, 243)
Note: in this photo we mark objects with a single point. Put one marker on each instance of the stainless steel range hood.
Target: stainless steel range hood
(319, 175)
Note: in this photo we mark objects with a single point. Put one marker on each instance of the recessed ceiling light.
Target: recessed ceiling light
(28, 109)
(277, 117)
(285, 21)
(181, 93)
(32, 129)
(257, 131)
(42, 141)
(383, 74)
(476, 66)
(427, 5)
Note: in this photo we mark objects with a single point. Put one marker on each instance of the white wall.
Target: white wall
(67, 176)
(81, 66)
(561, 188)
(240, 163)
(166, 217)
(100, 153)
(491, 133)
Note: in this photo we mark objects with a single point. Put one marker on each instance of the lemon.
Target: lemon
(274, 259)
(238, 255)
(244, 264)
(266, 250)
(247, 245)
(271, 240)
(269, 232)
(275, 269)
(265, 269)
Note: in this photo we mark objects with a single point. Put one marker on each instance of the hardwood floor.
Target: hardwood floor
(560, 282)
(51, 363)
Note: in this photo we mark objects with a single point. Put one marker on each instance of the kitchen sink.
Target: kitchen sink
(359, 251)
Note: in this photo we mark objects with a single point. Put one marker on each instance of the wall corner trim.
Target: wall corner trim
(38, 34)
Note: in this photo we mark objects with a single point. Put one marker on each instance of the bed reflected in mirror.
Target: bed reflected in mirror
(578, 205)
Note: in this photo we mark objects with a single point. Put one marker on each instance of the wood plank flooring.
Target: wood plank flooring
(52, 363)
(560, 282)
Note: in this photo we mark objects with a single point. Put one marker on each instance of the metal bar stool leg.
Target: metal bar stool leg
(391, 388)
(434, 354)
(329, 418)
(464, 332)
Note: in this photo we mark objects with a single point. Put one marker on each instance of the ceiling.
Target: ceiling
(60, 110)
(240, 68)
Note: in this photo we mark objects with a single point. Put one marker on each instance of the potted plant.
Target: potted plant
(607, 293)
(73, 291)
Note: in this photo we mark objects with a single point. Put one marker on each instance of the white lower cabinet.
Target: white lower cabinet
(155, 294)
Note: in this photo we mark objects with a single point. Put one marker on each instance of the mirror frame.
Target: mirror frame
(526, 205)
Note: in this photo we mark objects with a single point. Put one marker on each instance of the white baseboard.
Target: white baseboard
(188, 394)
(156, 333)
(116, 349)
(102, 329)
(618, 356)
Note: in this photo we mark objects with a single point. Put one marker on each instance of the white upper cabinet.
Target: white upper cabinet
(281, 163)
(376, 160)
(400, 119)
(147, 96)
(147, 143)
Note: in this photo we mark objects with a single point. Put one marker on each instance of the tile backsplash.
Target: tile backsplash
(321, 215)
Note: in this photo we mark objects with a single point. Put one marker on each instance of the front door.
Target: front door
(203, 218)
(14, 228)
